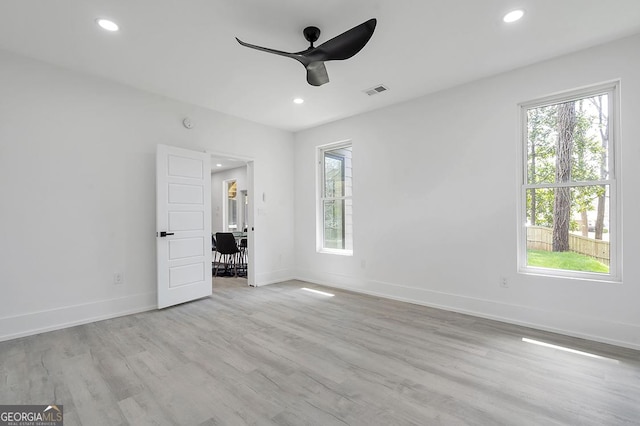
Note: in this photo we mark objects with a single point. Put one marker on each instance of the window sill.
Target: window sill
(336, 251)
(571, 275)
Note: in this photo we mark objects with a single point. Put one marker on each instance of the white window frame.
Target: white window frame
(611, 88)
(320, 198)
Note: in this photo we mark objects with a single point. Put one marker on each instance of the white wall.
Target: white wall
(217, 194)
(77, 187)
(435, 195)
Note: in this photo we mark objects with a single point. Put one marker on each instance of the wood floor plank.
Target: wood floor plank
(277, 355)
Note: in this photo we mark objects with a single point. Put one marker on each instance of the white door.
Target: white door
(183, 225)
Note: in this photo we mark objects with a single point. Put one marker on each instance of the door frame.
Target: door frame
(251, 234)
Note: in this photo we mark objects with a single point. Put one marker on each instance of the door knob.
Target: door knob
(164, 234)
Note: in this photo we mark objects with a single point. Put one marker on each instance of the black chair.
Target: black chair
(215, 253)
(228, 250)
(243, 257)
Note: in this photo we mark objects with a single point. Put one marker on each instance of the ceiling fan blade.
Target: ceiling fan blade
(316, 71)
(344, 45)
(274, 51)
(317, 74)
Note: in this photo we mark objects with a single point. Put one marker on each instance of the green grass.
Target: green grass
(564, 260)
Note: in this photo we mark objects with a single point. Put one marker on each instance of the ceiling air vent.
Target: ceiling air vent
(375, 90)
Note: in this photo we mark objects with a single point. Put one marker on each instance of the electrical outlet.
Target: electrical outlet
(503, 282)
(118, 278)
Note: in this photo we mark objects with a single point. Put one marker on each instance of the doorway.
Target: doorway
(232, 205)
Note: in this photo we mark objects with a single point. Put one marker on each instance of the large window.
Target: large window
(335, 223)
(569, 188)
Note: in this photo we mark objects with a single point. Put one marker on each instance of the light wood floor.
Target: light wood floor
(280, 355)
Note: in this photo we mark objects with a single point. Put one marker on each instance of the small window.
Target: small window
(335, 224)
(230, 213)
(569, 197)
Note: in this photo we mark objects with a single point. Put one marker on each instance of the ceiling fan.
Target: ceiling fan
(340, 47)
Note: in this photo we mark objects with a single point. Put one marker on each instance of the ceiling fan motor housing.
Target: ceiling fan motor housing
(311, 34)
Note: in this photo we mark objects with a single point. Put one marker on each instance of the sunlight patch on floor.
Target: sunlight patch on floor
(317, 292)
(565, 349)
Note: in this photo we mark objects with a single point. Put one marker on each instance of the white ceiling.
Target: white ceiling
(221, 163)
(186, 49)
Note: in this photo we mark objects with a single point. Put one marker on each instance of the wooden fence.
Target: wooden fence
(540, 238)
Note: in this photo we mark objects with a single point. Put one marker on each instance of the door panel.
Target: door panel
(185, 194)
(186, 221)
(185, 275)
(181, 166)
(186, 247)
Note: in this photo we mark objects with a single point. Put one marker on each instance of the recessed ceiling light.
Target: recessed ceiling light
(298, 101)
(513, 16)
(218, 165)
(107, 24)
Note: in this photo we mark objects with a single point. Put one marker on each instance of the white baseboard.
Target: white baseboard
(69, 316)
(274, 277)
(569, 324)
(610, 332)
